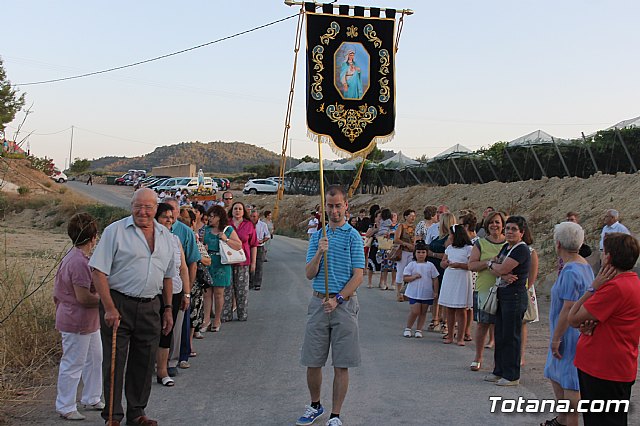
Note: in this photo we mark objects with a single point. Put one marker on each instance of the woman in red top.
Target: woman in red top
(240, 272)
(608, 315)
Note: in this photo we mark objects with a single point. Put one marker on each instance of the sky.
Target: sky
(467, 72)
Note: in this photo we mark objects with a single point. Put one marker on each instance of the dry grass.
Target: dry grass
(29, 343)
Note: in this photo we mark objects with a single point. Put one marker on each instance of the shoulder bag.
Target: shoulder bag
(490, 305)
(229, 256)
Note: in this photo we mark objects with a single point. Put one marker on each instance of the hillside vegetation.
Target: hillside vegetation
(212, 157)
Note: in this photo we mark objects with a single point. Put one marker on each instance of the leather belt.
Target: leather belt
(331, 295)
(136, 299)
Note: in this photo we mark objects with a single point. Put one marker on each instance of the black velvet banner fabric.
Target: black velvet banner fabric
(350, 81)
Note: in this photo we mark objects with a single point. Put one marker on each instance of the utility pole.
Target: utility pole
(71, 147)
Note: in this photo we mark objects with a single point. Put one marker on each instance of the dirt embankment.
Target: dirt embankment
(542, 202)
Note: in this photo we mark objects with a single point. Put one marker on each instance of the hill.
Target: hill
(212, 157)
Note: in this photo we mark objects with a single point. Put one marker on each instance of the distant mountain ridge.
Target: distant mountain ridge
(212, 157)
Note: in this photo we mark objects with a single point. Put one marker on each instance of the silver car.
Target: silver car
(260, 186)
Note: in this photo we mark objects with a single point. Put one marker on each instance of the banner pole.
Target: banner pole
(322, 218)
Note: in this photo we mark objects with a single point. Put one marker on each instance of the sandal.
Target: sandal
(166, 381)
(447, 341)
(467, 338)
(552, 422)
(475, 366)
(193, 354)
(432, 326)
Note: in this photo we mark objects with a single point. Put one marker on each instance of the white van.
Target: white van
(191, 184)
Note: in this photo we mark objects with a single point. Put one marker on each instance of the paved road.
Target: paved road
(113, 195)
(249, 373)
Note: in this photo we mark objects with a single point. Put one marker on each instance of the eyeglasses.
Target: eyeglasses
(228, 198)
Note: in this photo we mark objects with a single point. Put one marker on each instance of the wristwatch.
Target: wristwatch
(489, 264)
(591, 290)
(187, 295)
(167, 307)
(339, 299)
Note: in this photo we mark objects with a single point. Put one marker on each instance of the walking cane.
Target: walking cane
(113, 369)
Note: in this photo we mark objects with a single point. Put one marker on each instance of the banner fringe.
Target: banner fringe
(378, 140)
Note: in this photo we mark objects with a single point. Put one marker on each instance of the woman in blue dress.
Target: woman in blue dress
(573, 281)
(350, 77)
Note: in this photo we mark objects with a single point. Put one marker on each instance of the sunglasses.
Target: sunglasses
(228, 198)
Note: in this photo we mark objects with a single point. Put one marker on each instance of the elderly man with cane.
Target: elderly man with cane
(133, 264)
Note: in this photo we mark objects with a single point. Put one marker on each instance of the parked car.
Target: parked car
(168, 184)
(223, 184)
(191, 184)
(125, 179)
(227, 182)
(58, 176)
(257, 186)
(277, 179)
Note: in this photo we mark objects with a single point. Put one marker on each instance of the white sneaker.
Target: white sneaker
(505, 382)
(418, 334)
(407, 332)
(73, 415)
(492, 378)
(334, 422)
(98, 406)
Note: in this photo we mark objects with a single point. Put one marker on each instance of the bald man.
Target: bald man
(133, 265)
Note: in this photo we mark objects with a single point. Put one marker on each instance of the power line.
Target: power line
(158, 57)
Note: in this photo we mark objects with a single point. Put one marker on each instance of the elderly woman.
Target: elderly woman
(239, 220)
(77, 319)
(607, 355)
(164, 216)
(484, 250)
(572, 282)
(512, 266)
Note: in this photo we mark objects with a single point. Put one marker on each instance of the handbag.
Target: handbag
(532, 306)
(385, 243)
(229, 256)
(395, 253)
(490, 305)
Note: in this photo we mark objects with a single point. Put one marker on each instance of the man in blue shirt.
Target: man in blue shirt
(333, 317)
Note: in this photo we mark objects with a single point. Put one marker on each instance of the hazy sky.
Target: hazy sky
(467, 72)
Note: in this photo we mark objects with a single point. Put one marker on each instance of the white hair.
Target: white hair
(614, 213)
(570, 235)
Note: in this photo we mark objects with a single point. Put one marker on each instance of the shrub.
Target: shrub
(23, 190)
(62, 189)
(47, 184)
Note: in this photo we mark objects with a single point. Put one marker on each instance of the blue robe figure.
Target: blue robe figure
(350, 78)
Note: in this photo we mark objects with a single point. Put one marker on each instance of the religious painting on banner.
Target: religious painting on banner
(350, 80)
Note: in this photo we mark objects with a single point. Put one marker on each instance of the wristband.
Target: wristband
(339, 299)
(167, 307)
(591, 290)
(187, 295)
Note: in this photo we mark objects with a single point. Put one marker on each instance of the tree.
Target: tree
(308, 159)
(79, 166)
(10, 102)
(375, 155)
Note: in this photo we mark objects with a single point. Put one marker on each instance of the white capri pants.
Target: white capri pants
(407, 257)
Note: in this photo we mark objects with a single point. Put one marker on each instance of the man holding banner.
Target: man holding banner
(333, 318)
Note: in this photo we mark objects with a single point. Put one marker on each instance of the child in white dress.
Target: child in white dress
(422, 287)
(457, 282)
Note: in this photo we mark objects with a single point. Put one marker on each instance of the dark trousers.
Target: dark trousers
(592, 388)
(255, 279)
(512, 304)
(137, 341)
(176, 299)
(185, 341)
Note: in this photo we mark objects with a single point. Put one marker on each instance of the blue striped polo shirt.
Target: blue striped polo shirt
(346, 252)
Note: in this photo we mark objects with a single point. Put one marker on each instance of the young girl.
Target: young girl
(457, 284)
(422, 287)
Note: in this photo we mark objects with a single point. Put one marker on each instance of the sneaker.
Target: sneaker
(506, 382)
(73, 415)
(492, 378)
(334, 422)
(418, 334)
(98, 406)
(407, 332)
(310, 415)
(184, 364)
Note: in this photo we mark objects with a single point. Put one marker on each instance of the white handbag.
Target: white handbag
(229, 256)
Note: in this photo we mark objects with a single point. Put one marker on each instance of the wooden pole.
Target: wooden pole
(322, 218)
(113, 369)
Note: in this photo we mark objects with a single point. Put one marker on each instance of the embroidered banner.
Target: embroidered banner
(350, 81)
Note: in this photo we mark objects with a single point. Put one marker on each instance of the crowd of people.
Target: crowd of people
(157, 280)
(132, 304)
